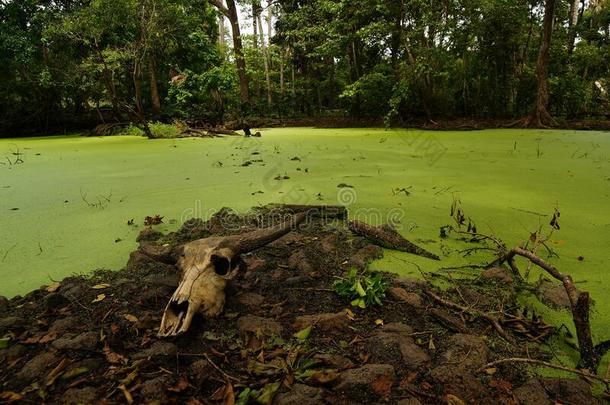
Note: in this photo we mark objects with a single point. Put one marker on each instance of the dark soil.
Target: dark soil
(93, 339)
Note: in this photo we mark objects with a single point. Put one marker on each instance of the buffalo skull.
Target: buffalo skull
(207, 265)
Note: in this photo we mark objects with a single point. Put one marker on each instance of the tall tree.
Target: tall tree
(230, 11)
(540, 116)
(572, 22)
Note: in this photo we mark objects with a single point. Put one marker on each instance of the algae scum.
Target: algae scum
(65, 207)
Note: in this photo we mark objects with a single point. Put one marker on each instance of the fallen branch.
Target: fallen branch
(385, 236)
(491, 319)
(590, 355)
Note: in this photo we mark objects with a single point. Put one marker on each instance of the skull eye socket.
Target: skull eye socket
(222, 265)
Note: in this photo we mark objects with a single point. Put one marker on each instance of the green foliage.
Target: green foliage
(66, 64)
(361, 289)
(159, 130)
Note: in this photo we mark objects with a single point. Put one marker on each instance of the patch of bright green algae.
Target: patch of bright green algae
(502, 177)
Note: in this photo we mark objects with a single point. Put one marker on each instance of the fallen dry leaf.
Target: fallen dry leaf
(10, 397)
(101, 286)
(451, 399)
(114, 358)
(130, 318)
(53, 287)
(180, 385)
(100, 297)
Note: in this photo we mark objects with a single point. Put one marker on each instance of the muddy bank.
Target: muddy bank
(284, 337)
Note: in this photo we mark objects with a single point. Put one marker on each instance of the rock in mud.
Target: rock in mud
(371, 379)
(86, 395)
(457, 381)
(569, 391)
(327, 322)
(400, 294)
(63, 325)
(469, 351)
(531, 393)
(334, 360)
(163, 280)
(554, 294)
(157, 349)
(396, 348)
(300, 394)
(12, 353)
(84, 341)
(299, 262)
(254, 263)
(4, 303)
(154, 389)
(10, 323)
(201, 371)
(366, 255)
(255, 324)
(148, 235)
(55, 301)
(498, 274)
(250, 300)
(38, 366)
(409, 401)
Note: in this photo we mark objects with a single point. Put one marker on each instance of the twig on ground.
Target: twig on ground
(205, 355)
(491, 319)
(545, 364)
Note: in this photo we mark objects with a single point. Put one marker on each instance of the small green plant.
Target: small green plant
(362, 289)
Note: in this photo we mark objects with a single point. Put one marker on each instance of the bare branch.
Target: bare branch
(220, 6)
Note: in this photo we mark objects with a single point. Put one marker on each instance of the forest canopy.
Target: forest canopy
(70, 64)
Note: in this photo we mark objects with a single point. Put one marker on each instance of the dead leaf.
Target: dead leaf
(323, 377)
(101, 286)
(10, 397)
(454, 400)
(426, 386)
(180, 385)
(114, 358)
(126, 393)
(53, 287)
(57, 371)
(379, 322)
(131, 318)
(100, 297)
(491, 370)
(409, 378)
(501, 385)
(49, 337)
(75, 372)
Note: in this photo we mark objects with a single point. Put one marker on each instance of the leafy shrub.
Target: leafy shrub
(159, 130)
(362, 290)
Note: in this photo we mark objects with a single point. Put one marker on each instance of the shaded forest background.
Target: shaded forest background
(70, 64)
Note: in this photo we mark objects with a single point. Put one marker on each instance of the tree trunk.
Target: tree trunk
(540, 116)
(255, 14)
(265, 59)
(230, 11)
(221, 31)
(573, 21)
(137, 85)
(154, 89)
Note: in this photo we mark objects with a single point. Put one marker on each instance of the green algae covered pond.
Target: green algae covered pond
(65, 208)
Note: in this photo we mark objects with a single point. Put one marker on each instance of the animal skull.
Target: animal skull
(207, 266)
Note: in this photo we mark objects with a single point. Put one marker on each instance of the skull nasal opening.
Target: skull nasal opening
(222, 265)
